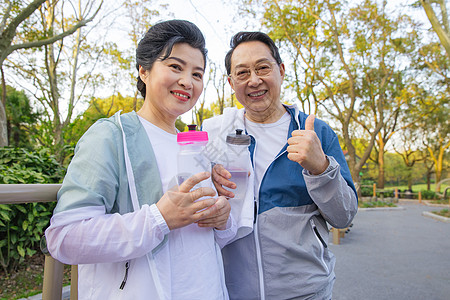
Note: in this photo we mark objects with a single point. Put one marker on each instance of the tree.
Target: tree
(409, 152)
(381, 43)
(199, 111)
(433, 65)
(15, 15)
(436, 137)
(140, 15)
(440, 26)
(317, 41)
(296, 27)
(22, 120)
(341, 90)
(220, 81)
(218, 78)
(99, 108)
(60, 72)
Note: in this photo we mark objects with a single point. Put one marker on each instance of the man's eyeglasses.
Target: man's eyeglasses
(261, 69)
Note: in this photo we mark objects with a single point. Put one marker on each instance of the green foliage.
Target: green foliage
(428, 195)
(386, 193)
(22, 225)
(18, 165)
(21, 119)
(99, 108)
(371, 204)
(180, 125)
(396, 172)
(366, 191)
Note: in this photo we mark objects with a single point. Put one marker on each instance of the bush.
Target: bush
(22, 225)
(387, 193)
(366, 191)
(428, 195)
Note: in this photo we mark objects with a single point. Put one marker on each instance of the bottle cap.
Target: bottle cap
(238, 138)
(192, 136)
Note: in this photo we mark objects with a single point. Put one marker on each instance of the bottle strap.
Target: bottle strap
(136, 207)
(131, 181)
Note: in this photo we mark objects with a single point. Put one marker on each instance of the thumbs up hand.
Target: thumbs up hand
(306, 149)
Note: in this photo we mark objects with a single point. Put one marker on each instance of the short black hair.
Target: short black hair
(249, 36)
(159, 40)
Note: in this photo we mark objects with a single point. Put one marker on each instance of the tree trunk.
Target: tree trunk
(438, 171)
(3, 127)
(352, 165)
(380, 183)
(441, 33)
(3, 124)
(410, 182)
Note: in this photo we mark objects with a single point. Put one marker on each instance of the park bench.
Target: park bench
(338, 233)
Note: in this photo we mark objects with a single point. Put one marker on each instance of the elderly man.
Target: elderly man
(299, 182)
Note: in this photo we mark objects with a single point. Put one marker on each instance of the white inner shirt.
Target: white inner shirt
(188, 265)
(270, 139)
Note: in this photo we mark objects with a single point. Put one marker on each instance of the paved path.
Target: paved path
(396, 254)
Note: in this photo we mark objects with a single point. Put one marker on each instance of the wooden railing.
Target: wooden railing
(53, 269)
(397, 193)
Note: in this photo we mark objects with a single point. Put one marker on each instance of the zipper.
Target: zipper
(256, 232)
(317, 233)
(127, 266)
(256, 235)
(259, 261)
(321, 242)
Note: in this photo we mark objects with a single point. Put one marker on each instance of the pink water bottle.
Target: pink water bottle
(191, 157)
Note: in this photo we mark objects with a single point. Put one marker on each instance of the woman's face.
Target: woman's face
(173, 85)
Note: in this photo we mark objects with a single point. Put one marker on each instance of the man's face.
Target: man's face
(259, 94)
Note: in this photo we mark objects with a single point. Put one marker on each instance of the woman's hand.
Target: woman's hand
(219, 220)
(179, 207)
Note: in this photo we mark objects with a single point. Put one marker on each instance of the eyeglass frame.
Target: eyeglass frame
(249, 71)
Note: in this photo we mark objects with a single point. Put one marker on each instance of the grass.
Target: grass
(444, 202)
(27, 280)
(417, 187)
(370, 204)
(443, 213)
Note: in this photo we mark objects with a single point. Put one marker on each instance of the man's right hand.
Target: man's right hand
(179, 206)
(220, 178)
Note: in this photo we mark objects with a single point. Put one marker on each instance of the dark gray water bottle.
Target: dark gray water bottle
(236, 161)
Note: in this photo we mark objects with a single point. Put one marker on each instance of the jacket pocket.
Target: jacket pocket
(321, 243)
(317, 233)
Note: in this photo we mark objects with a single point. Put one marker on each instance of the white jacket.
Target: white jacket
(109, 194)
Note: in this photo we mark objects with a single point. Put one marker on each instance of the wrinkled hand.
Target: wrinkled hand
(220, 178)
(179, 207)
(306, 149)
(219, 220)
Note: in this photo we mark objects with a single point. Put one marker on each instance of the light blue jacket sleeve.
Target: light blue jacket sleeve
(92, 177)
